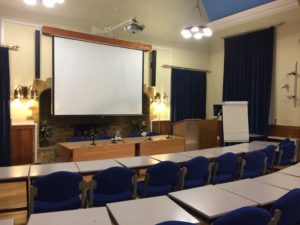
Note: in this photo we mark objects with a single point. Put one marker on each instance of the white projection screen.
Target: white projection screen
(96, 79)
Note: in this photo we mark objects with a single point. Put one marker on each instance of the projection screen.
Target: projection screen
(96, 79)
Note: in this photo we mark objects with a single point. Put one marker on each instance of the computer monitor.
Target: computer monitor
(217, 110)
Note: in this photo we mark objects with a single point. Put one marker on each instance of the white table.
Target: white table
(210, 201)
(45, 169)
(280, 180)
(174, 157)
(261, 193)
(90, 216)
(90, 167)
(292, 170)
(137, 162)
(265, 143)
(148, 211)
(298, 165)
(15, 174)
(7, 222)
(207, 153)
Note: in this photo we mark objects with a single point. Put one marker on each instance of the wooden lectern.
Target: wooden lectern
(198, 133)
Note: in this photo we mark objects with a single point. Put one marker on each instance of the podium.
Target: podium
(198, 133)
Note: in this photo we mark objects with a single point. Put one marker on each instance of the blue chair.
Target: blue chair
(175, 223)
(245, 216)
(196, 173)
(112, 185)
(160, 179)
(225, 168)
(56, 192)
(254, 164)
(286, 210)
(285, 141)
(286, 154)
(131, 135)
(270, 153)
(103, 137)
(153, 133)
(77, 139)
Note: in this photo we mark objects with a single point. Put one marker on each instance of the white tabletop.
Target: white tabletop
(90, 216)
(292, 170)
(14, 172)
(280, 180)
(44, 169)
(96, 165)
(7, 222)
(148, 211)
(265, 143)
(253, 190)
(211, 201)
(298, 165)
(137, 162)
(174, 157)
(204, 153)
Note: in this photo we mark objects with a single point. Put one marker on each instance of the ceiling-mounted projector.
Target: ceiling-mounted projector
(133, 26)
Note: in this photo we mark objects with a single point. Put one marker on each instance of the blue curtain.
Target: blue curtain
(188, 94)
(248, 75)
(5, 152)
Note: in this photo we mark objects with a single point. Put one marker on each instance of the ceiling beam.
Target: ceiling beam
(57, 32)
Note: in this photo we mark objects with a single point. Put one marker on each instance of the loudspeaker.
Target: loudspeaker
(37, 37)
(153, 67)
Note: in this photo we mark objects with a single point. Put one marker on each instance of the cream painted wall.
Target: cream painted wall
(287, 52)
(22, 65)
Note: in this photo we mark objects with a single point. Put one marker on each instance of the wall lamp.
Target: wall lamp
(160, 98)
(23, 92)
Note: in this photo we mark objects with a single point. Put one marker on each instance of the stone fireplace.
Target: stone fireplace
(64, 127)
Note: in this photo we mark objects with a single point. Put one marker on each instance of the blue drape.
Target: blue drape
(5, 151)
(188, 94)
(248, 75)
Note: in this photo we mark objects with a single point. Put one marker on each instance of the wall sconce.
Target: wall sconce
(23, 92)
(160, 98)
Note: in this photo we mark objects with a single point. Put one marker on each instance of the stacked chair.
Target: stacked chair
(160, 179)
(56, 192)
(254, 164)
(196, 173)
(112, 185)
(225, 168)
(286, 153)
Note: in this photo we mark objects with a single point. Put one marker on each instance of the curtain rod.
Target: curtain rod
(184, 68)
(12, 47)
(259, 29)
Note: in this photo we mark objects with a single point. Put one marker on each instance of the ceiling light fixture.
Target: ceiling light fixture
(46, 3)
(199, 31)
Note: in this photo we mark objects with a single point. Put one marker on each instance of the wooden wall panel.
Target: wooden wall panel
(284, 131)
(22, 144)
(163, 127)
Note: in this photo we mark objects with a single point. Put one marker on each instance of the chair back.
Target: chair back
(103, 137)
(197, 168)
(175, 223)
(288, 207)
(134, 135)
(288, 151)
(153, 133)
(163, 173)
(285, 141)
(270, 153)
(58, 186)
(77, 139)
(245, 216)
(227, 163)
(255, 160)
(113, 180)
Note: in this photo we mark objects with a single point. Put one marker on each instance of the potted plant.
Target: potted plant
(139, 126)
(45, 133)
